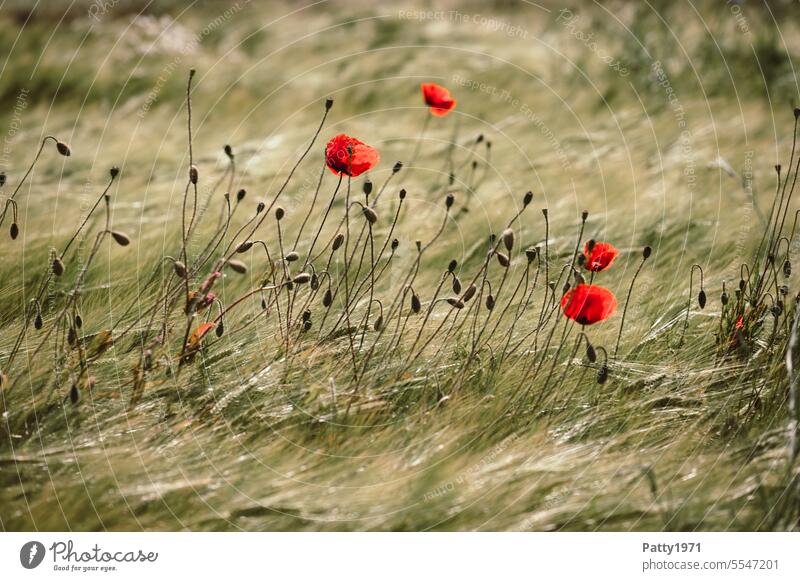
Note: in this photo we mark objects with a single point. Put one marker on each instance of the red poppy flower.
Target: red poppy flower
(349, 156)
(438, 99)
(198, 334)
(600, 257)
(588, 304)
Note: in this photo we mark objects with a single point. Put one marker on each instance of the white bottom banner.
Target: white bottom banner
(390, 556)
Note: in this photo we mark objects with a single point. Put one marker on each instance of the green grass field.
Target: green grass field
(663, 120)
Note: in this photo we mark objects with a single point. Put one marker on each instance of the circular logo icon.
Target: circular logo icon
(31, 554)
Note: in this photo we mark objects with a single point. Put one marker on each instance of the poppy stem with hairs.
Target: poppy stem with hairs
(689, 302)
(645, 256)
(420, 138)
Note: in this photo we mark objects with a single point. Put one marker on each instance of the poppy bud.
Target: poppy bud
(337, 242)
(395, 244)
(78, 321)
(72, 336)
(14, 231)
(530, 254)
(58, 267)
(74, 395)
(578, 278)
(449, 200)
(306, 315)
(397, 167)
(240, 195)
(228, 151)
(327, 299)
(489, 302)
(193, 174)
(180, 269)
(701, 299)
(544, 212)
(581, 260)
(508, 239)
(220, 329)
(279, 213)
(590, 246)
(260, 207)
(314, 281)
(584, 215)
(452, 265)
(723, 298)
(237, 266)
(37, 322)
(479, 139)
(114, 172)
(502, 259)
(369, 214)
(292, 257)
(564, 288)
(591, 354)
(777, 309)
(474, 164)
(307, 325)
(328, 104)
(121, 238)
(783, 289)
(263, 303)
(527, 198)
(456, 303)
(244, 246)
(367, 187)
(456, 285)
(301, 278)
(742, 284)
(602, 375)
(63, 148)
(646, 252)
(416, 305)
(402, 194)
(469, 293)
(378, 323)
(787, 268)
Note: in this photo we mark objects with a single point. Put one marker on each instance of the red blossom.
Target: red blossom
(349, 156)
(600, 257)
(588, 304)
(438, 99)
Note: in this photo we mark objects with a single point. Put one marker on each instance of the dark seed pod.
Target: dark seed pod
(378, 323)
(237, 266)
(591, 354)
(723, 298)
(58, 267)
(777, 309)
(646, 252)
(452, 265)
(37, 322)
(397, 167)
(301, 278)
(121, 238)
(78, 321)
(456, 303)
(220, 329)
(456, 285)
(314, 281)
(502, 259)
(449, 201)
(113, 172)
(584, 215)
(240, 195)
(402, 194)
(527, 198)
(581, 260)
(63, 148)
(292, 257)
(328, 104)
(193, 174)
(307, 325)
(489, 302)
(327, 299)
(179, 268)
(742, 284)
(783, 289)
(2, 179)
(279, 213)
(244, 246)
(228, 151)
(338, 241)
(306, 315)
(602, 375)
(530, 254)
(14, 231)
(370, 214)
(590, 246)
(508, 239)
(701, 299)
(395, 244)
(479, 139)
(787, 268)
(72, 336)
(263, 304)
(416, 305)
(367, 187)
(74, 394)
(469, 293)
(260, 207)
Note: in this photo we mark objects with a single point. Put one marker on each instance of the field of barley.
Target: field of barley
(205, 328)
